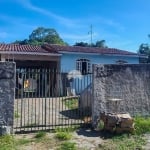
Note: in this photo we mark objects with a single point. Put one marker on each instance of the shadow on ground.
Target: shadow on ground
(88, 132)
(74, 114)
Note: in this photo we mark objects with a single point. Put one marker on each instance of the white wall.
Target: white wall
(68, 61)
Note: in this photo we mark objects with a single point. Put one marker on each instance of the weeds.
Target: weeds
(63, 135)
(129, 141)
(114, 142)
(68, 146)
(40, 134)
(124, 142)
(71, 103)
(23, 141)
(7, 142)
(142, 125)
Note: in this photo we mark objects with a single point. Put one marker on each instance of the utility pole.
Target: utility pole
(91, 34)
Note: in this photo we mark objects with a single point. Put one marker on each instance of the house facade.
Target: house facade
(82, 59)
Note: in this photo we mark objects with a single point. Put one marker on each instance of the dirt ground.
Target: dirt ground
(84, 139)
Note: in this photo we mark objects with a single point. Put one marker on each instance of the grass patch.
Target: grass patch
(123, 142)
(23, 141)
(142, 125)
(7, 142)
(129, 141)
(68, 146)
(71, 103)
(63, 135)
(40, 134)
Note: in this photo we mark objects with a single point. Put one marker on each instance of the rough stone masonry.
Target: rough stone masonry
(7, 95)
(129, 83)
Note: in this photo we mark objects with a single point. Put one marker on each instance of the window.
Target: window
(83, 65)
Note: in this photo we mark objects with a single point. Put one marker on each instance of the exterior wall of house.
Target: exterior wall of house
(68, 63)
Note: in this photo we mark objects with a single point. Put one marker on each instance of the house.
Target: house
(70, 60)
(76, 59)
(81, 59)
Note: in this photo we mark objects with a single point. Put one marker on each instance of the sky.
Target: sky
(123, 24)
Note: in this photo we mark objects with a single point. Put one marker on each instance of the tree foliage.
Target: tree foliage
(43, 35)
(144, 48)
(100, 44)
(83, 44)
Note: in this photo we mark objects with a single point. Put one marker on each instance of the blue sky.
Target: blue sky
(124, 24)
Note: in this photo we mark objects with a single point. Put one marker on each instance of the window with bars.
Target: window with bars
(83, 65)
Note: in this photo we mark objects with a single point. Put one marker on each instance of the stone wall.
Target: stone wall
(129, 83)
(7, 94)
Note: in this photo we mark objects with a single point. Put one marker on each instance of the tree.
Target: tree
(83, 44)
(100, 44)
(43, 35)
(145, 49)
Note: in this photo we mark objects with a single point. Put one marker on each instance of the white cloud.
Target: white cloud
(62, 20)
(102, 22)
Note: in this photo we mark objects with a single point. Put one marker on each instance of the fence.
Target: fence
(47, 99)
(121, 89)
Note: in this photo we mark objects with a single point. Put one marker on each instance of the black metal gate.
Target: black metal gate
(46, 99)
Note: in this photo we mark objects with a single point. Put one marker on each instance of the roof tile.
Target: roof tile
(22, 48)
(59, 48)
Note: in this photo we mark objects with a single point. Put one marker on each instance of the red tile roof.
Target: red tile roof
(79, 49)
(25, 49)
(58, 49)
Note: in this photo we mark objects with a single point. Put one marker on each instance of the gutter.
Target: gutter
(29, 53)
(103, 54)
